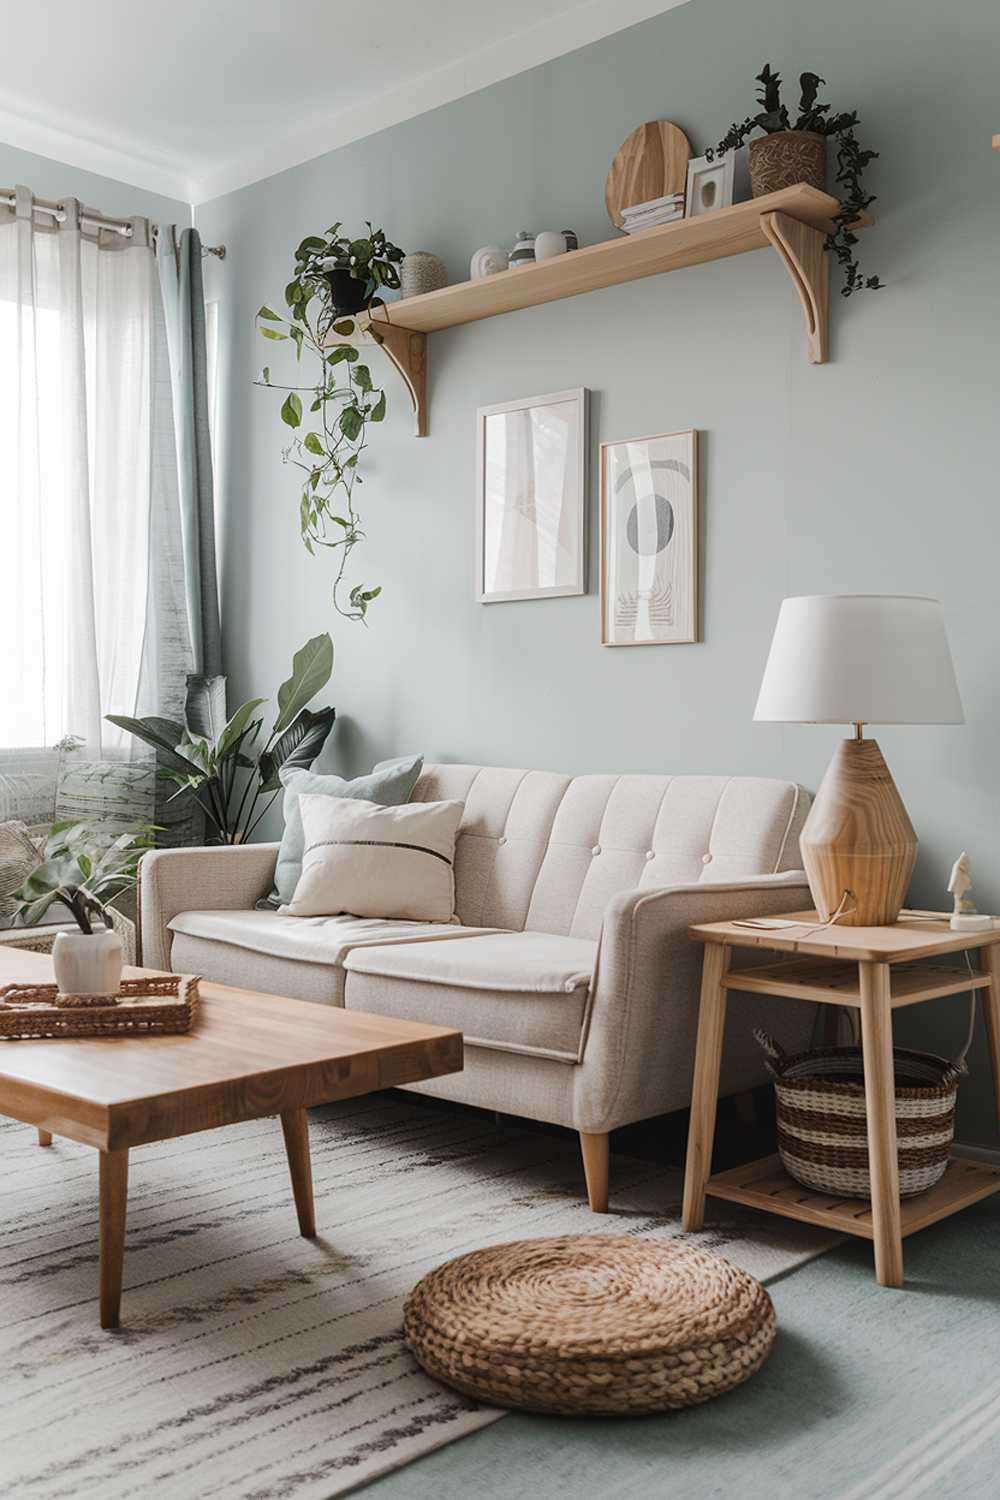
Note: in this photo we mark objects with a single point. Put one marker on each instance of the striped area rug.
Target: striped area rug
(251, 1362)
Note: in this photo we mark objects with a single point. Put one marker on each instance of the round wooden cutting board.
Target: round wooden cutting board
(650, 163)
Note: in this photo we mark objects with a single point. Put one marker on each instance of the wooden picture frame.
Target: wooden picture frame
(649, 525)
(531, 531)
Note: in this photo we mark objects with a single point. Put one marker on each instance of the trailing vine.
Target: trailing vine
(852, 160)
(324, 311)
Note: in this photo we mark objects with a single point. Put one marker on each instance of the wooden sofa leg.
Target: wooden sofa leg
(595, 1169)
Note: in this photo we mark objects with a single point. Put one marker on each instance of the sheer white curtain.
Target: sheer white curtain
(92, 607)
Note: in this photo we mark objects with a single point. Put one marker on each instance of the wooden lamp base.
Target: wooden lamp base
(858, 838)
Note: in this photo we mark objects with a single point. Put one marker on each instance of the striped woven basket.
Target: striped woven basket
(822, 1127)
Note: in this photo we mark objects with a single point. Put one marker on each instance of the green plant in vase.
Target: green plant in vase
(785, 152)
(335, 285)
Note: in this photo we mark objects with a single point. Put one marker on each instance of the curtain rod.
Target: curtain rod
(95, 220)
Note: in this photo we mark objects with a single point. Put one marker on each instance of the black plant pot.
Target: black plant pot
(349, 294)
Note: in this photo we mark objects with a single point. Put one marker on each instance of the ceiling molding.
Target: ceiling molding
(197, 181)
(90, 156)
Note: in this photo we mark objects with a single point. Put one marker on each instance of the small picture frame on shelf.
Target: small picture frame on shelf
(709, 184)
(531, 501)
(649, 541)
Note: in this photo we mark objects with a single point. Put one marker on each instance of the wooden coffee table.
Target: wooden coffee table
(249, 1055)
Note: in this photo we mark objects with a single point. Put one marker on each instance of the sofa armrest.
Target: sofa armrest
(639, 1053)
(230, 877)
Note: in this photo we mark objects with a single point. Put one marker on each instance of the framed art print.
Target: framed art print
(531, 511)
(649, 541)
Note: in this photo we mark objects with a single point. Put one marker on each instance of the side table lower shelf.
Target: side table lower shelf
(765, 1184)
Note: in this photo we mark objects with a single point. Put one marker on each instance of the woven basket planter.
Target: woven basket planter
(822, 1125)
(590, 1325)
(785, 158)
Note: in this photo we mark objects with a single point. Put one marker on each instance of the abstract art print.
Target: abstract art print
(531, 511)
(649, 540)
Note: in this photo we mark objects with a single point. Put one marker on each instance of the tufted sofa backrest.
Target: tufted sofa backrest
(545, 852)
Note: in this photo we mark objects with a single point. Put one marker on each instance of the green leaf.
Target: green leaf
(310, 243)
(345, 326)
(311, 669)
(273, 333)
(362, 377)
(312, 443)
(163, 734)
(294, 293)
(266, 312)
(298, 746)
(266, 373)
(351, 423)
(342, 352)
(378, 410)
(236, 727)
(291, 410)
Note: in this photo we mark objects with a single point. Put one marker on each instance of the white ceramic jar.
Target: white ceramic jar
(88, 963)
(549, 242)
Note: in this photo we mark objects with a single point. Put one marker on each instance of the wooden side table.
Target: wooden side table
(875, 970)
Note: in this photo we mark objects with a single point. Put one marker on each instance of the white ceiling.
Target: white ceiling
(198, 97)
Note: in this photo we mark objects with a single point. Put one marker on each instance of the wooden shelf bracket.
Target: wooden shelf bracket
(801, 249)
(408, 352)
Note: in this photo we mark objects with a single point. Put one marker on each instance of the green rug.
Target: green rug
(870, 1394)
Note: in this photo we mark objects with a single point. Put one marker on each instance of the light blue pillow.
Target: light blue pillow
(389, 784)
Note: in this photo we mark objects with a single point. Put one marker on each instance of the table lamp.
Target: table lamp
(859, 659)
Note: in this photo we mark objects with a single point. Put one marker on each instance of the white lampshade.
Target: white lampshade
(860, 658)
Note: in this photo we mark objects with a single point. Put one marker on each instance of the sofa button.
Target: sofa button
(596, 849)
(650, 853)
(706, 859)
(501, 840)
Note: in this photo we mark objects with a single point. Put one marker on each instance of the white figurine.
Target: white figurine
(965, 918)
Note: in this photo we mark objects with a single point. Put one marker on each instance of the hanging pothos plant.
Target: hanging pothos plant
(336, 282)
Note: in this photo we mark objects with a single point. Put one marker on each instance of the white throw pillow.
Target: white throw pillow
(373, 861)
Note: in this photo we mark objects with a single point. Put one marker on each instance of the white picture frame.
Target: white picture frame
(709, 184)
(649, 541)
(531, 511)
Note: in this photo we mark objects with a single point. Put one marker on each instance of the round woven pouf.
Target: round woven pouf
(601, 1324)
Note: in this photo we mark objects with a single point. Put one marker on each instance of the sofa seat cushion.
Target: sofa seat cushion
(301, 957)
(522, 992)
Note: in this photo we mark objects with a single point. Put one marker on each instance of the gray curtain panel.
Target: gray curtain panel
(179, 259)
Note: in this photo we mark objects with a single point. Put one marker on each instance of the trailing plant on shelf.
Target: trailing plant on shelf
(226, 770)
(335, 285)
(815, 119)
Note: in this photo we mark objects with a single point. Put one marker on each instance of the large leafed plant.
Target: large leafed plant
(225, 766)
(335, 283)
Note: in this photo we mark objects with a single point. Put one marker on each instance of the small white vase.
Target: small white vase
(549, 242)
(88, 963)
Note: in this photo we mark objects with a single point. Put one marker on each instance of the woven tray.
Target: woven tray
(143, 1007)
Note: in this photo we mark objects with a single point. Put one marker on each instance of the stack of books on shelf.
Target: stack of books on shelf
(656, 211)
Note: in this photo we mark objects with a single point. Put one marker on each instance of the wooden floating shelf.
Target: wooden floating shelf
(765, 1184)
(794, 221)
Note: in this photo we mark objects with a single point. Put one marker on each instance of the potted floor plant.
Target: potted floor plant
(784, 152)
(234, 775)
(77, 870)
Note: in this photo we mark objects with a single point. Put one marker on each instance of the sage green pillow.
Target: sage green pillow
(389, 784)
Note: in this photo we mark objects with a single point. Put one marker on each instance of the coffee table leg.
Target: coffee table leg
(45, 1138)
(295, 1125)
(114, 1200)
(880, 1103)
(705, 1088)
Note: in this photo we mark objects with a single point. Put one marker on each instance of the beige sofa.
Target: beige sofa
(572, 974)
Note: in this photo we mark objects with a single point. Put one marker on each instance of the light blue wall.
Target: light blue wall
(54, 179)
(876, 472)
